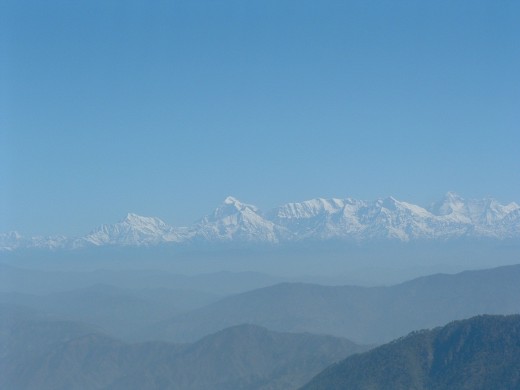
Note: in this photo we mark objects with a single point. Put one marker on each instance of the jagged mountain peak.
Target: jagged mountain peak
(451, 203)
(231, 206)
(479, 212)
(237, 204)
(308, 208)
(11, 240)
(392, 204)
(389, 203)
(234, 220)
(315, 219)
(139, 220)
(134, 229)
(231, 200)
(13, 234)
(132, 217)
(453, 196)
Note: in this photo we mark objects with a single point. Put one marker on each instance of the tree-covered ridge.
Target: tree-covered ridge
(479, 353)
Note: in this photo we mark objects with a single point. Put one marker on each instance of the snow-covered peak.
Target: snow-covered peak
(236, 220)
(231, 200)
(231, 206)
(13, 240)
(389, 203)
(132, 230)
(140, 222)
(451, 203)
(392, 204)
(482, 213)
(133, 217)
(308, 209)
(453, 195)
(10, 240)
(12, 235)
(488, 211)
(314, 219)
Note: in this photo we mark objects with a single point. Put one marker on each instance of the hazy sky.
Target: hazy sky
(166, 107)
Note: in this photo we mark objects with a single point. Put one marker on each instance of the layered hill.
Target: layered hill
(40, 353)
(363, 314)
(318, 219)
(477, 354)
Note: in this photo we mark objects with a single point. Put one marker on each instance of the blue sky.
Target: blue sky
(166, 107)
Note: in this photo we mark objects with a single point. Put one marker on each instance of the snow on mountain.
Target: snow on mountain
(509, 226)
(234, 220)
(134, 230)
(451, 205)
(391, 219)
(354, 219)
(317, 219)
(314, 218)
(13, 240)
(476, 217)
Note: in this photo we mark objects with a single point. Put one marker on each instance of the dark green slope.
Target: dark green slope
(481, 353)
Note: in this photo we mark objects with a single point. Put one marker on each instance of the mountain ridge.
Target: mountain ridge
(56, 354)
(451, 218)
(476, 353)
(366, 315)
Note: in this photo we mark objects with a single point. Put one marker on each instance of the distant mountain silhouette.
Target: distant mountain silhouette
(481, 353)
(365, 315)
(37, 280)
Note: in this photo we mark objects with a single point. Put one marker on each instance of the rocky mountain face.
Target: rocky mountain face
(318, 219)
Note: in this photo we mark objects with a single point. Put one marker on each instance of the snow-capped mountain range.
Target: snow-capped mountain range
(317, 219)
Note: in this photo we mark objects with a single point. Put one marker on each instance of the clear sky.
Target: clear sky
(164, 108)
